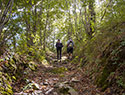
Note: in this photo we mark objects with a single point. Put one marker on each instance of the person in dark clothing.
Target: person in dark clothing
(59, 46)
(70, 45)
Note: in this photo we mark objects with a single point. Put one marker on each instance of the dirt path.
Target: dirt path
(57, 78)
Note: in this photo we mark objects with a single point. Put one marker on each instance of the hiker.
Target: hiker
(70, 45)
(59, 46)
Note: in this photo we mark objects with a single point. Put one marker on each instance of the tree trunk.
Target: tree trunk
(4, 13)
(39, 19)
(92, 18)
(45, 32)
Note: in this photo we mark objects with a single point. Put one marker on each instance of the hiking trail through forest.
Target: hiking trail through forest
(33, 31)
(56, 78)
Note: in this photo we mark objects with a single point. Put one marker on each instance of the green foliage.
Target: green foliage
(58, 70)
(32, 66)
(120, 81)
(5, 86)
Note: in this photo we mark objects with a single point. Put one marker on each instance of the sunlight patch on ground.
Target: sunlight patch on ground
(64, 58)
(46, 64)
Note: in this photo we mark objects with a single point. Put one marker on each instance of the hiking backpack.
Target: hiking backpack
(70, 44)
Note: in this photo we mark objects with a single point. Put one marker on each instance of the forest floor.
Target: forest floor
(56, 78)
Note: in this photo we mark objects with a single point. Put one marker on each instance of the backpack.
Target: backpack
(70, 44)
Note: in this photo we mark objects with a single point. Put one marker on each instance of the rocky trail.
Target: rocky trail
(56, 78)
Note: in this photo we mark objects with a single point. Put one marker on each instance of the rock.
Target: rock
(72, 91)
(36, 86)
(45, 83)
(29, 91)
(97, 94)
(33, 86)
(43, 87)
(55, 79)
(66, 89)
(61, 85)
(50, 90)
(56, 85)
(41, 83)
(74, 80)
(21, 93)
(66, 82)
(38, 92)
(24, 94)
(54, 60)
(28, 81)
(55, 93)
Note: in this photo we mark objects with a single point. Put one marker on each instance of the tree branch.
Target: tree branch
(105, 10)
